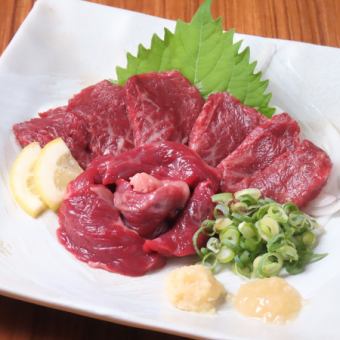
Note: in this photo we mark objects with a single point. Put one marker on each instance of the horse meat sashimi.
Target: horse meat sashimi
(221, 127)
(295, 176)
(258, 150)
(91, 229)
(150, 213)
(162, 106)
(178, 240)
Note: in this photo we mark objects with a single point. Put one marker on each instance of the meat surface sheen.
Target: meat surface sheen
(151, 213)
(295, 176)
(88, 215)
(103, 108)
(58, 122)
(258, 150)
(91, 229)
(94, 123)
(162, 106)
(166, 160)
(221, 127)
(178, 240)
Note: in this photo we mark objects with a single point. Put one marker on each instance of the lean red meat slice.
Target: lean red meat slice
(103, 108)
(221, 127)
(162, 106)
(295, 176)
(258, 150)
(91, 229)
(150, 213)
(178, 240)
(56, 123)
(94, 123)
(166, 160)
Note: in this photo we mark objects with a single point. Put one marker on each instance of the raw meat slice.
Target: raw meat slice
(295, 176)
(258, 150)
(151, 213)
(55, 123)
(91, 229)
(103, 108)
(166, 160)
(162, 106)
(178, 240)
(94, 123)
(221, 127)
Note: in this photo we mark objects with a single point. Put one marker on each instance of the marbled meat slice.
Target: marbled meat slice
(58, 122)
(166, 160)
(221, 127)
(150, 212)
(103, 108)
(178, 240)
(258, 150)
(162, 106)
(91, 229)
(295, 176)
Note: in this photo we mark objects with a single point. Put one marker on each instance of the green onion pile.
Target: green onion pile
(257, 236)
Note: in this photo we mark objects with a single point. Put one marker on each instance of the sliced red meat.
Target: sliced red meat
(258, 150)
(166, 160)
(162, 106)
(94, 123)
(103, 108)
(150, 213)
(91, 229)
(53, 124)
(295, 176)
(178, 240)
(221, 127)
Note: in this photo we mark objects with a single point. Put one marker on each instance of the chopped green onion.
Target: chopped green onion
(222, 223)
(267, 227)
(239, 207)
(267, 265)
(230, 237)
(252, 192)
(242, 270)
(309, 239)
(213, 245)
(257, 235)
(222, 198)
(246, 229)
(277, 213)
(221, 210)
(225, 255)
(288, 253)
(210, 260)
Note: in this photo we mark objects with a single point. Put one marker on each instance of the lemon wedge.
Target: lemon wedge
(21, 179)
(54, 169)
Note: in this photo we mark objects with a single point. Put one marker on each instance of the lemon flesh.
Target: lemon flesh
(54, 169)
(21, 180)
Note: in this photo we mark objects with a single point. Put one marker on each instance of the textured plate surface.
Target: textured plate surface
(66, 45)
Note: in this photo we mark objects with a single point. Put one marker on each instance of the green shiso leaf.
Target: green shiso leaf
(207, 56)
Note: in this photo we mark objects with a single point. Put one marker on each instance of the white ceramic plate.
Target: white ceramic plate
(66, 45)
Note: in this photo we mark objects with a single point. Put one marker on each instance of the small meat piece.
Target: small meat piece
(56, 123)
(150, 213)
(258, 150)
(221, 127)
(103, 108)
(92, 230)
(166, 160)
(142, 182)
(178, 240)
(295, 176)
(162, 106)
